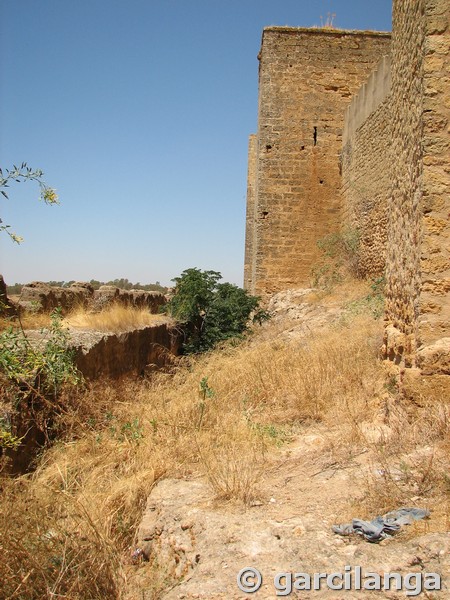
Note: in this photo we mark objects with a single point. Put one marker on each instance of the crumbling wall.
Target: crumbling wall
(307, 78)
(129, 352)
(395, 166)
(7, 308)
(396, 184)
(418, 251)
(434, 305)
(405, 210)
(41, 297)
(38, 296)
(366, 169)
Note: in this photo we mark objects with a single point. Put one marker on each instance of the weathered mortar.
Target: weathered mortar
(251, 216)
(396, 184)
(434, 304)
(369, 97)
(418, 252)
(307, 78)
(366, 169)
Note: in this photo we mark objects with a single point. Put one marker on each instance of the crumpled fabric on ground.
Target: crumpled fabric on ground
(382, 527)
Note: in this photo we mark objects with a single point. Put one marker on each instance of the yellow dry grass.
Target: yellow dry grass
(28, 320)
(69, 526)
(115, 318)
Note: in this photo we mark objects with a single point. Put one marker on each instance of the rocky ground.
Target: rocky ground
(286, 529)
(202, 543)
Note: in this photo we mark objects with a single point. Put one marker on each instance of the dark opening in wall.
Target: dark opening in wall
(268, 147)
(320, 181)
(264, 214)
(302, 148)
(315, 136)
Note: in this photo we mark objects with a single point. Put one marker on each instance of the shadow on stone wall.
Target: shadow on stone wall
(138, 352)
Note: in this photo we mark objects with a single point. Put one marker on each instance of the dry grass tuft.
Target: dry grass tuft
(52, 548)
(29, 320)
(113, 319)
(410, 460)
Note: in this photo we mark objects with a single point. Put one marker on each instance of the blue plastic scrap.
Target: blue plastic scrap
(382, 527)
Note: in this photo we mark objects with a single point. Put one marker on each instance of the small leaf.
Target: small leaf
(5, 194)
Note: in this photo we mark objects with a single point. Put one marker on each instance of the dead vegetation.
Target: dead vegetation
(68, 529)
(115, 318)
(28, 320)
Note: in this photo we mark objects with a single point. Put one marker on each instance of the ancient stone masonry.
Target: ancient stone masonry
(306, 80)
(365, 164)
(418, 251)
(396, 184)
(387, 177)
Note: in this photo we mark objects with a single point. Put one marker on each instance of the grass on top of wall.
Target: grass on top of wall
(114, 318)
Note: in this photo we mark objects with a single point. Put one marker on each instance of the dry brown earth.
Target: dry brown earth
(287, 529)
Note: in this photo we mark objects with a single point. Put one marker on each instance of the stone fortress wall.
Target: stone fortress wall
(307, 78)
(396, 183)
(365, 164)
(385, 161)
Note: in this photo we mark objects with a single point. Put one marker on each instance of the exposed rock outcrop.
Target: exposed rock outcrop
(296, 308)
(435, 358)
(203, 545)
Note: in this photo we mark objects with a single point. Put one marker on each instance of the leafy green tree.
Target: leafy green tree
(210, 311)
(19, 174)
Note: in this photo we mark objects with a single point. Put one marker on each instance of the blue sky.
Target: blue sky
(138, 112)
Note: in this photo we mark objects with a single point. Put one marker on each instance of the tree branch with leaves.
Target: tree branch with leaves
(20, 174)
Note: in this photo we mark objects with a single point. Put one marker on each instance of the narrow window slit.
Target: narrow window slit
(315, 136)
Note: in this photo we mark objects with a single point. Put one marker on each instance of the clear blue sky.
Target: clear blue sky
(138, 112)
